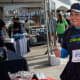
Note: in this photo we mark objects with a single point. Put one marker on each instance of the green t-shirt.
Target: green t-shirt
(61, 27)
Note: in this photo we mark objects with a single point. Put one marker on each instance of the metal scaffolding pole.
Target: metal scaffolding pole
(48, 27)
(50, 42)
(46, 24)
(50, 31)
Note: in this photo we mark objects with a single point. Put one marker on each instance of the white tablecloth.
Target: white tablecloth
(20, 47)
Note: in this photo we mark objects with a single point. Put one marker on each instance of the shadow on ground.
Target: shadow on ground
(36, 57)
(38, 61)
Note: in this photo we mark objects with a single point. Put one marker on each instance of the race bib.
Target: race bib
(76, 55)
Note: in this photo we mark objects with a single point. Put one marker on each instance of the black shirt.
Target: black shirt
(18, 26)
(2, 24)
(72, 44)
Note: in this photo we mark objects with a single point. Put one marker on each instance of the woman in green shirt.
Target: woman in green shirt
(61, 27)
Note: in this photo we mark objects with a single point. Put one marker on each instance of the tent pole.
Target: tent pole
(46, 24)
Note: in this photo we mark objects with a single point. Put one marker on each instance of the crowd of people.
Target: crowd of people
(59, 25)
(15, 28)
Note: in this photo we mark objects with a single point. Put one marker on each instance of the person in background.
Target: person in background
(71, 46)
(2, 25)
(10, 28)
(53, 27)
(68, 20)
(26, 26)
(52, 30)
(16, 27)
(61, 27)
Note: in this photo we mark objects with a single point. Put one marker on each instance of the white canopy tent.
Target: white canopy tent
(6, 5)
(65, 4)
(36, 4)
(12, 4)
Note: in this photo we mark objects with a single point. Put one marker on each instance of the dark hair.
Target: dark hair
(60, 18)
(69, 33)
(65, 15)
(17, 18)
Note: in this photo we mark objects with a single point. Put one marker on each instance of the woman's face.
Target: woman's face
(75, 18)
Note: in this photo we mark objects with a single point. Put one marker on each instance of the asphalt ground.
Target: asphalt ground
(39, 62)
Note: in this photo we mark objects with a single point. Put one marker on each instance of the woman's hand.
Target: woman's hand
(57, 52)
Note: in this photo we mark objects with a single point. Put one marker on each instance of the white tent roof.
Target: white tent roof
(11, 4)
(19, 1)
(60, 3)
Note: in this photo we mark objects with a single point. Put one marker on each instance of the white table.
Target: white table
(16, 49)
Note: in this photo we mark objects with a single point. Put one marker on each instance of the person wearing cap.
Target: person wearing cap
(71, 46)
